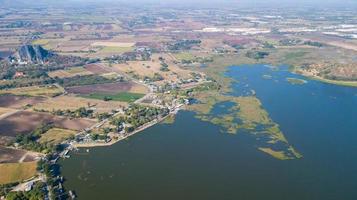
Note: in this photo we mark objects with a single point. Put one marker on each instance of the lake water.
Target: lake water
(191, 159)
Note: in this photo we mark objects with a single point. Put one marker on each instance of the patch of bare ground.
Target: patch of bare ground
(25, 122)
(108, 88)
(17, 102)
(97, 68)
(10, 155)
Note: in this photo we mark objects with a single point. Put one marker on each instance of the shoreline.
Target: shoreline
(324, 80)
(142, 128)
(334, 82)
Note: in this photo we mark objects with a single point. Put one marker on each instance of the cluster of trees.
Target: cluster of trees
(156, 77)
(120, 58)
(315, 44)
(183, 45)
(257, 54)
(268, 45)
(18, 24)
(136, 116)
(293, 42)
(198, 60)
(102, 116)
(87, 80)
(238, 46)
(39, 189)
(290, 42)
(29, 141)
(26, 82)
(6, 188)
(164, 67)
(37, 193)
(201, 88)
(97, 136)
(78, 113)
(143, 55)
(52, 172)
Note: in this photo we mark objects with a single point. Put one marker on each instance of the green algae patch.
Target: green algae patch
(296, 81)
(248, 115)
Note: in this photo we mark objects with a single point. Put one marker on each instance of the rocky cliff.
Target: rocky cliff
(32, 54)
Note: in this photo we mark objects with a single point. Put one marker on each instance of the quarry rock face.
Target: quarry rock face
(32, 54)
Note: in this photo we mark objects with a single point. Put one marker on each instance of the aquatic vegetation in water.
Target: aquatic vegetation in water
(296, 81)
(247, 114)
(169, 119)
(266, 76)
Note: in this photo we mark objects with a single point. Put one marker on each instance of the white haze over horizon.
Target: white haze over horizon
(196, 3)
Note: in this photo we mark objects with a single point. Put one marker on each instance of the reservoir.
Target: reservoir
(191, 159)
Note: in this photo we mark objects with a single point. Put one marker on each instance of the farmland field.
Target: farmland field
(107, 48)
(97, 68)
(48, 91)
(112, 49)
(14, 172)
(42, 42)
(152, 67)
(9, 155)
(5, 110)
(122, 96)
(72, 103)
(113, 44)
(75, 71)
(108, 88)
(184, 56)
(17, 102)
(56, 135)
(24, 122)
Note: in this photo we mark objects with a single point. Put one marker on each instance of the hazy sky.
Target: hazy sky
(317, 3)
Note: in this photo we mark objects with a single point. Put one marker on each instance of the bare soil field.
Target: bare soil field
(113, 44)
(72, 103)
(108, 88)
(68, 45)
(10, 155)
(5, 111)
(17, 102)
(97, 68)
(24, 122)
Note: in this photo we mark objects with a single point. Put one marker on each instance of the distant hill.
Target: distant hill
(32, 54)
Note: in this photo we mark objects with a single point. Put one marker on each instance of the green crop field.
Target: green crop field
(116, 49)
